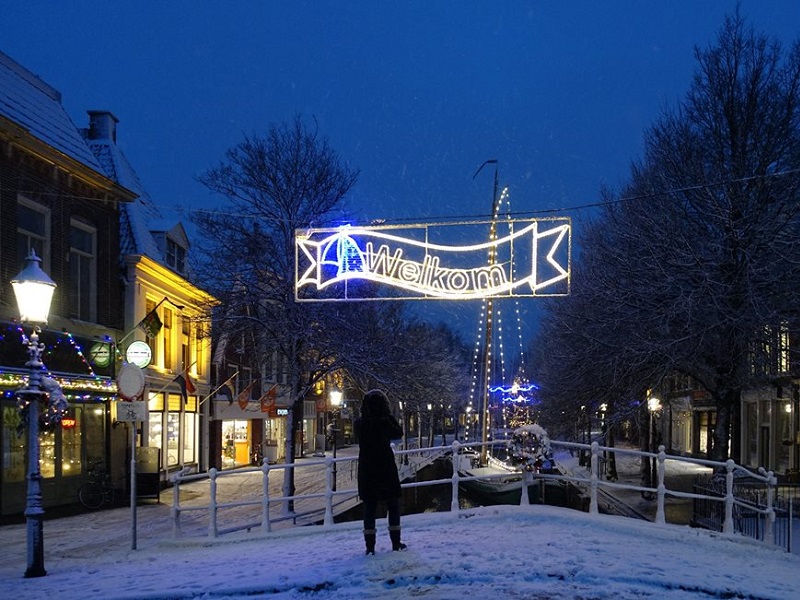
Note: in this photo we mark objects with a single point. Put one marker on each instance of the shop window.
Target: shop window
(173, 438)
(71, 435)
(155, 425)
(189, 443)
(13, 446)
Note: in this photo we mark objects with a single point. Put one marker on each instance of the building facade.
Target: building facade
(56, 199)
(167, 329)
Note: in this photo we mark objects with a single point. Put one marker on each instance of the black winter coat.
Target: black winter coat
(377, 471)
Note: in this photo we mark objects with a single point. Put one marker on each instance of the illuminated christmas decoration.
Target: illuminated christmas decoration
(330, 259)
(530, 449)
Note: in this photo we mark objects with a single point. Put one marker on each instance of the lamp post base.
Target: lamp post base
(35, 546)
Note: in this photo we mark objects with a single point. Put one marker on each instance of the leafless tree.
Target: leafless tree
(273, 184)
(699, 255)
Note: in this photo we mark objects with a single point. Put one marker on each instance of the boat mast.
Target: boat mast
(489, 316)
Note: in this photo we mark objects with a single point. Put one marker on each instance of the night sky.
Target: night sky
(415, 94)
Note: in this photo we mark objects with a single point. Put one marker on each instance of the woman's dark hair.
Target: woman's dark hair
(375, 405)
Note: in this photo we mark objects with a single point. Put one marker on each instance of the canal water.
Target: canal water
(437, 498)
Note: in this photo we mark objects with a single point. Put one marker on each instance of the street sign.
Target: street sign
(129, 412)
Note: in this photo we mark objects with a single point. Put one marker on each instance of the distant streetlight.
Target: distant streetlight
(335, 397)
(430, 425)
(653, 405)
(34, 293)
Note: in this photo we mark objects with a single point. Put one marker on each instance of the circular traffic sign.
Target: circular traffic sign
(130, 381)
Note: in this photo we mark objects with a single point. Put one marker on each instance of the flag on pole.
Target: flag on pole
(267, 399)
(151, 324)
(244, 396)
(186, 385)
(225, 392)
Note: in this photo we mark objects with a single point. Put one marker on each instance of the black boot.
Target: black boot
(394, 534)
(369, 540)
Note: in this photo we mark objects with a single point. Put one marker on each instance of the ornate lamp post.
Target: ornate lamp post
(34, 292)
(336, 402)
(653, 406)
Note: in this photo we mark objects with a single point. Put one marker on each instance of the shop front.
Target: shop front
(67, 450)
(173, 427)
(248, 435)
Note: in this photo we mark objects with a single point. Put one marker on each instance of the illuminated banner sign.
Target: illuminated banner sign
(523, 258)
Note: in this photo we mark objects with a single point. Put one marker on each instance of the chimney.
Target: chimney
(102, 125)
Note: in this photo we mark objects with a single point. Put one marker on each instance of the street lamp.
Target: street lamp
(430, 425)
(336, 401)
(34, 292)
(653, 405)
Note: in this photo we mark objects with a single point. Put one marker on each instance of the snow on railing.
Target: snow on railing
(424, 456)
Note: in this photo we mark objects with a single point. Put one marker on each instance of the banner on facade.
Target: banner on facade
(522, 258)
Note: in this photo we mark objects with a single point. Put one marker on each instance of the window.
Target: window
(199, 340)
(33, 232)
(82, 271)
(176, 256)
(167, 322)
(150, 306)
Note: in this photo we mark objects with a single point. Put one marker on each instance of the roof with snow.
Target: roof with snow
(36, 106)
(143, 226)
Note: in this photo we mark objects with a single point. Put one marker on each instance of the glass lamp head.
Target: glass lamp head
(33, 289)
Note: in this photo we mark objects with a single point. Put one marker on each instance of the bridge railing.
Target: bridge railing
(330, 496)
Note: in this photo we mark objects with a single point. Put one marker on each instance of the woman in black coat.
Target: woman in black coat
(377, 471)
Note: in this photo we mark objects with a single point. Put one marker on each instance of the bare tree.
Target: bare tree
(699, 255)
(273, 184)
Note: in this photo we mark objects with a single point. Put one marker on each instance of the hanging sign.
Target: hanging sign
(139, 354)
(523, 258)
(100, 354)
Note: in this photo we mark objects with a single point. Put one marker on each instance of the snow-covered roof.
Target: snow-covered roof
(141, 221)
(35, 106)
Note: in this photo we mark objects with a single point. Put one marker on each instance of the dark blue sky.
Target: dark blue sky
(416, 94)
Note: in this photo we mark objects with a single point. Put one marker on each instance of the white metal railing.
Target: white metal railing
(328, 496)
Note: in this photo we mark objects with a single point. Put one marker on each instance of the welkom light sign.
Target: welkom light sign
(527, 258)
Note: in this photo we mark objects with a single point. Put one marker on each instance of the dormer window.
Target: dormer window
(176, 256)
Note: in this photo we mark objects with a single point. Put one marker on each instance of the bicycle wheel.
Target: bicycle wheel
(91, 495)
(108, 496)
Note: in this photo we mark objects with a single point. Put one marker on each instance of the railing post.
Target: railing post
(769, 536)
(266, 525)
(593, 508)
(524, 500)
(727, 526)
(454, 500)
(176, 506)
(662, 489)
(212, 503)
(328, 520)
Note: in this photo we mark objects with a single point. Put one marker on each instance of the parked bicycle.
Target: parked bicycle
(98, 489)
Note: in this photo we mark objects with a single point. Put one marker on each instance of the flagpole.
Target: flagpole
(219, 387)
(164, 389)
(132, 331)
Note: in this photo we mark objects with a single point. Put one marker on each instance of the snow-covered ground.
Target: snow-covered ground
(493, 552)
